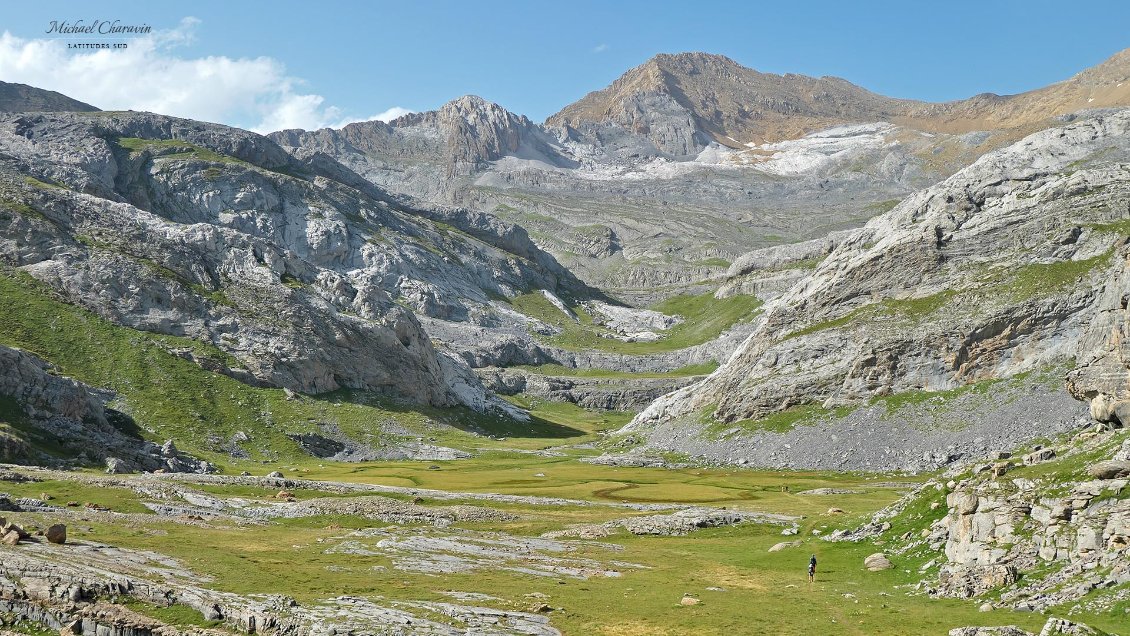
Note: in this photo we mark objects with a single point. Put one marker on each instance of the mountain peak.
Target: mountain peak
(692, 61)
(726, 101)
(469, 101)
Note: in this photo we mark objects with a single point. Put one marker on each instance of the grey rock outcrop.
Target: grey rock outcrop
(995, 530)
(1102, 376)
(1003, 630)
(604, 394)
(73, 590)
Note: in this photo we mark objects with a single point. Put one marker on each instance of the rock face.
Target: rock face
(1102, 375)
(460, 138)
(477, 132)
(1005, 267)
(304, 272)
(996, 530)
(588, 393)
(19, 98)
(60, 420)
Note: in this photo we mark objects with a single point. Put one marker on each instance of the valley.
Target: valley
(619, 373)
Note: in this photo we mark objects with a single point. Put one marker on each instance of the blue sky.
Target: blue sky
(318, 63)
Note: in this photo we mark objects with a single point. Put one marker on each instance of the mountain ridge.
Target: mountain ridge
(818, 101)
(16, 98)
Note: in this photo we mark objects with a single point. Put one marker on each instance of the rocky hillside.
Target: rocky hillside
(296, 274)
(1010, 266)
(19, 98)
(1102, 86)
(616, 210)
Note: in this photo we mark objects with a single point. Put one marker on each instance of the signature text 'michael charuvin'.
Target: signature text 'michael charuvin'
(102, 27)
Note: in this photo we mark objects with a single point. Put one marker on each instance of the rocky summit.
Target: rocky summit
(630, 370)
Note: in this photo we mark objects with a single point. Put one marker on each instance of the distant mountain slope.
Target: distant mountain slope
(1103, 86)
(19, 98)
(734, 105)
(730, 103)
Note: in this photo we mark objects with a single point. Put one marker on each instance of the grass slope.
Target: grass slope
(704, 318)
(173, 398)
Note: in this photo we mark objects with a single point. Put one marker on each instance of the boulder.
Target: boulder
(57, 534)
(274, 474)
(1003, 630)
(1123, 453)
(963, 502)
(10, 538)
(6, 527)
(1058, 626)
(1037, 456)
(999, 469)
(1109, 469)
(1102, 408)
(777, 547)
(877, 562)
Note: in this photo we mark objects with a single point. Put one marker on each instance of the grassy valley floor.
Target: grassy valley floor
(739, 586)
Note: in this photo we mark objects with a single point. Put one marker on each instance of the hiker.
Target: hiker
(812, 569)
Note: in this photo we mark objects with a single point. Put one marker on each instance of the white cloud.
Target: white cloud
(392, 114)
(600, 48)
(256, 93)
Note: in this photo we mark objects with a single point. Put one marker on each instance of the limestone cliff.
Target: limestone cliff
(304, 272)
